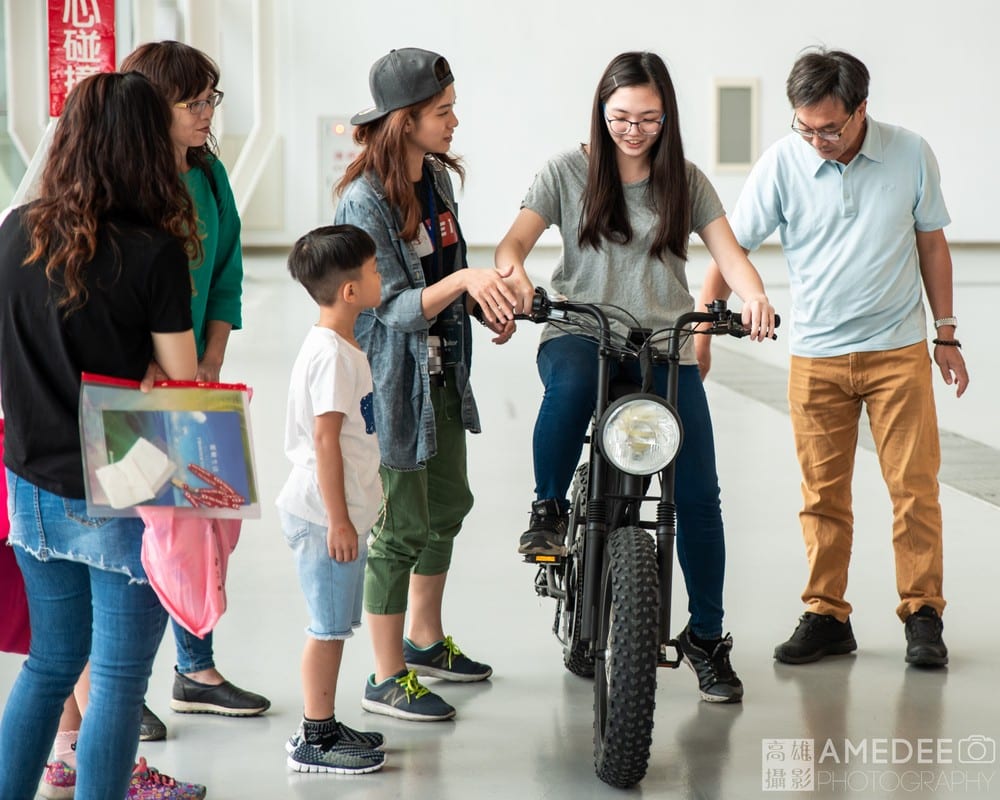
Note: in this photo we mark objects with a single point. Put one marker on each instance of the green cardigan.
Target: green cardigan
(216, 281)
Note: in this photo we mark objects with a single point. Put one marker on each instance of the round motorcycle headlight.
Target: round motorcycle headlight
(640, 434)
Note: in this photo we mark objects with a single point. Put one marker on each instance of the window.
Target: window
(735, 145)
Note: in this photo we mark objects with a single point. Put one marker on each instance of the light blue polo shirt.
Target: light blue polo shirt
(849, 236)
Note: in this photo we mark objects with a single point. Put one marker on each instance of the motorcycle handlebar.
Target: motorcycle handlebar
(721, 318)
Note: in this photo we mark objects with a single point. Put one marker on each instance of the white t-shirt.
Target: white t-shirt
(331, 375)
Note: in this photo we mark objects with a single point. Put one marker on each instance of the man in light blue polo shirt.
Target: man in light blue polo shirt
(858, 207)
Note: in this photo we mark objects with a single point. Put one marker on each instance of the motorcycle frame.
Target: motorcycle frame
(626, 508)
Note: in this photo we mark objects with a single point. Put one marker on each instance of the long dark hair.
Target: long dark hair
(111, 155)
(605, 215)
(383, 143)
(180, 72)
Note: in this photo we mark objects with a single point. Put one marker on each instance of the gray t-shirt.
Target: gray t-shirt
(654, 291)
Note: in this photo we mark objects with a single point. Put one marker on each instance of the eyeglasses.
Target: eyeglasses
(197, 107)
(826, 136)
(647, 127)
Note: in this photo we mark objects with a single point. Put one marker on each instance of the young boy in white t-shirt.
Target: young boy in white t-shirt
(333, 496)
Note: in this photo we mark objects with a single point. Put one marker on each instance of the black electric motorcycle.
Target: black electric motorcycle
(613, 582)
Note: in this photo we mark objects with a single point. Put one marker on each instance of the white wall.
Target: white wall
(526, 71)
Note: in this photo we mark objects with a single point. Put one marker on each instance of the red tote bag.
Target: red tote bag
(15, 631)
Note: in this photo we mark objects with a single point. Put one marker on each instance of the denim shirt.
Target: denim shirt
(394, 335)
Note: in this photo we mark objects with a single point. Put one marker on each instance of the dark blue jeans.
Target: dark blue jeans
(568, 368)
(193, 654)
(87, 598)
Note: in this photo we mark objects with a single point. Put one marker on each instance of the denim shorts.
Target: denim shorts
(333, 589)
(49, 526)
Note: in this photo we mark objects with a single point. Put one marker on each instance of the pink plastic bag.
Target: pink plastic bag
(185, 558)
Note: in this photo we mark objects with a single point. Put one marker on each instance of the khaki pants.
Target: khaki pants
(825, 396)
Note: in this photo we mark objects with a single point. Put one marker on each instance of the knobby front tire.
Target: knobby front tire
(627, 657)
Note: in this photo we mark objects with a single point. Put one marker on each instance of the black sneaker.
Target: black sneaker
(817, 635)
(318, 746)
(546, 534)
(151, 729)
(717, 681)
(340, 759)
(373, 740)
(191, 697)
(924, 646)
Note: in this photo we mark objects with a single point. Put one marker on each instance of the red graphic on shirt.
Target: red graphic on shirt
(447, 229)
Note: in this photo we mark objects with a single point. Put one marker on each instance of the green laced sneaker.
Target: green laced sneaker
(402, 696)
(444, 660)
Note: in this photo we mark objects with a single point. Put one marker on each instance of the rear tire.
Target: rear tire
(627, 657)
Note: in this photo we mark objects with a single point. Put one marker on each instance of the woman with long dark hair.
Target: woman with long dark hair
(93, 278)
(626, 204)
(418, 342)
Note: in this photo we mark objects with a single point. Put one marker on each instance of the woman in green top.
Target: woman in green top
(189, 79)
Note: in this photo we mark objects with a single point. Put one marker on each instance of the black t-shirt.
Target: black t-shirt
(137, 283)
(443, 238)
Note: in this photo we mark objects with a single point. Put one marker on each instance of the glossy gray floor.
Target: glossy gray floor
(878, 728)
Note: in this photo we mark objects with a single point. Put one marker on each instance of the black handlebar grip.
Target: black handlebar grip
(736, 321)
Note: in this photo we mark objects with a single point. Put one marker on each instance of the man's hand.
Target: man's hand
(952, 366)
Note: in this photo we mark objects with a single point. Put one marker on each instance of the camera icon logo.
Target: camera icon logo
(977, 750)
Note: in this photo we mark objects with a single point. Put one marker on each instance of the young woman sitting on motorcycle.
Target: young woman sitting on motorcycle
(626, 205)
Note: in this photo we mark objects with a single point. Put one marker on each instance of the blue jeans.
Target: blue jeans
(568, 369)
(87, 599)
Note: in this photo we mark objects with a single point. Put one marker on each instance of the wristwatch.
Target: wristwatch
(940, 323)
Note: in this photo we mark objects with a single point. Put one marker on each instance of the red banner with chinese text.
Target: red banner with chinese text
(81, 43)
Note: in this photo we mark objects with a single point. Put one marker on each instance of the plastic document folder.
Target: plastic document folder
(183, 445)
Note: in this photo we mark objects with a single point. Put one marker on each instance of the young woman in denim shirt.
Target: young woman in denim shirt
(419, 343)
(93, 278)
(626, 205)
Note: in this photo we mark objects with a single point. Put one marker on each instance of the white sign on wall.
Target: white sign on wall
(336, 150)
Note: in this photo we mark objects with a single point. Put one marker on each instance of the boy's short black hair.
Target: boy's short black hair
(324, 258)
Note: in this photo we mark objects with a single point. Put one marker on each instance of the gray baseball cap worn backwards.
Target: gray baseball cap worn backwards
(402, 78)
